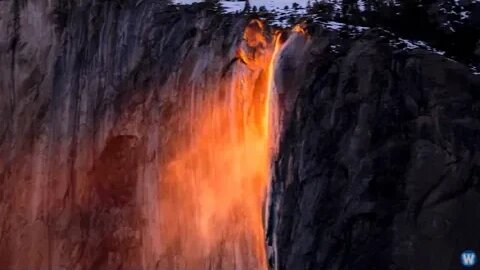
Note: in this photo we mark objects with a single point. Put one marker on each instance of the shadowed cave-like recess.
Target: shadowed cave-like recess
(138, 135)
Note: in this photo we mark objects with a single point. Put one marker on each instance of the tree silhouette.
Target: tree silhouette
(248, 7)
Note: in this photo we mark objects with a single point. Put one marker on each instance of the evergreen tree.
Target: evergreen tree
(323, 9)
(350, 12)
(248, 7)
(217, 6)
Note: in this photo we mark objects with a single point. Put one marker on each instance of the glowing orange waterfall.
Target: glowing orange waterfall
(214, 180)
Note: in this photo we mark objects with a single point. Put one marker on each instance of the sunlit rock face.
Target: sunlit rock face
(214, 178)
(90, 94)
(105, 108)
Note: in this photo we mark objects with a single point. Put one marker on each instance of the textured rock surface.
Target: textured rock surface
(88, 96)
(378, 166)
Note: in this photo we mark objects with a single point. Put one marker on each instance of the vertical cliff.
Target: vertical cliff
(378, 168)
(376, 165)
(90, 92)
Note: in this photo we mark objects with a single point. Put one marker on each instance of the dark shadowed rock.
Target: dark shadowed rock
(477, 50)
(378, 169)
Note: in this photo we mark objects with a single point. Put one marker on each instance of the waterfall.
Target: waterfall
(213, 184)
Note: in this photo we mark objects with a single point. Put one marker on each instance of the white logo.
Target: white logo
(468, 258)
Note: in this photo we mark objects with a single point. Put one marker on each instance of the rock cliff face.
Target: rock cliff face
(378, 168)
(377, 165)
(89, 96)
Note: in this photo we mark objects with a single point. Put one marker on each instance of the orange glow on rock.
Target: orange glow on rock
(215, 180)
(300, 28)
(254, 34)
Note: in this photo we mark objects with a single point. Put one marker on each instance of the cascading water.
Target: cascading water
(213, 184)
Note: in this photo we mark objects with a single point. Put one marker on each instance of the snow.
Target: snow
(277, 7)
(361, 5)
(337, 26)
(334, 25)
(230, 6)
(234, 6)
(414, 44)
(464, 15)
(185, 2)
(277, 4)
(475, 70)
